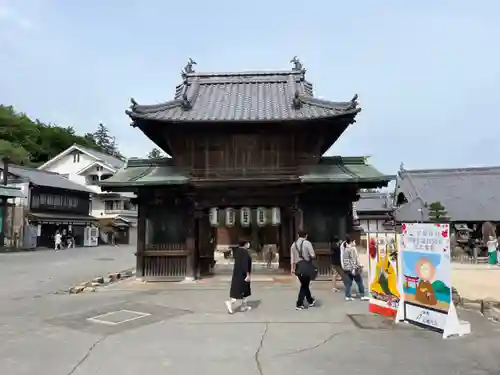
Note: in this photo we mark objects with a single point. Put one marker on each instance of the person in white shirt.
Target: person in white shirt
(57, 241)
(492, 250)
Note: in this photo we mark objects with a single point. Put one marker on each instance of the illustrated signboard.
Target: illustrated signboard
(425, 279)
(383, 273)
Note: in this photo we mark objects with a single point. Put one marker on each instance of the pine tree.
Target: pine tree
(102, 138)
(437, 212)
(105, 141)
(155, 154)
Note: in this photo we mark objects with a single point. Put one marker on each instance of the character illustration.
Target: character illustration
(385, 281)
(425, 292)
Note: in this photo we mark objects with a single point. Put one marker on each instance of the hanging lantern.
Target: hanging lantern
(261, 216)
(355, 217)
(245, 216)
(214, 216)
(275, 216)
(230, 217)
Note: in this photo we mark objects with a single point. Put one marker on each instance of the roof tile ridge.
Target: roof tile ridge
(444, 171)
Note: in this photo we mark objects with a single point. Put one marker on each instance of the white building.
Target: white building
(88, 167)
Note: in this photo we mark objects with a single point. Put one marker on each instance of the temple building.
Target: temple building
(246, 160)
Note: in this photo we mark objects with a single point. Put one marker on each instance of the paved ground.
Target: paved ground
(34, 274)
(184, 329)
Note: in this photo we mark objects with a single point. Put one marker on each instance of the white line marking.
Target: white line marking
(98, 319)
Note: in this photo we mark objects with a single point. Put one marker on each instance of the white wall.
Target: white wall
(372, 226)
(97, 206)
(65, 165)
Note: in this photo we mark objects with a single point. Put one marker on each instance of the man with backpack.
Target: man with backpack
(302, 254)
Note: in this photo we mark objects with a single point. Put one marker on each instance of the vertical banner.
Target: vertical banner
(426, 279)
(383, 273)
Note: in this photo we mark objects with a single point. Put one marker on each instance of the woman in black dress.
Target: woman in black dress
(240, 282)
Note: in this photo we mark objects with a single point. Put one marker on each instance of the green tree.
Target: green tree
(39, 140)
(16, 154)
(155, 153)
(105, 141)
(437, 212)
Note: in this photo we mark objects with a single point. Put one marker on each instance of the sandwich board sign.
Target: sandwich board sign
(425, 279)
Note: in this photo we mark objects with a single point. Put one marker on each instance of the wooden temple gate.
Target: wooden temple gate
(260, 143)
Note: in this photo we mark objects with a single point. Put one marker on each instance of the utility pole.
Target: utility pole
(3, 223)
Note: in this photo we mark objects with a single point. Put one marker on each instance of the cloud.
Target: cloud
(11, 17)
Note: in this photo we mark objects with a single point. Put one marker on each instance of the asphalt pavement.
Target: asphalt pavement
(177, 328)
(37, 273)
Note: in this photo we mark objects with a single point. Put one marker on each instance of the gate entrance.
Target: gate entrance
(269, 244)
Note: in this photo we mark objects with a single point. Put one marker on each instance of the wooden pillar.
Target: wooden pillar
(190, 221)
(141, 236)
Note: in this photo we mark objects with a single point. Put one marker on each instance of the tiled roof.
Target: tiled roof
(373, 202)
(344, 169)
(330, 169)
(468, 194)
(42, 178)
(107, 159)
(244, 96)
(146, 172)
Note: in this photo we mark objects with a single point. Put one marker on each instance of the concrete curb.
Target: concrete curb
(96, 282)
(487, 308)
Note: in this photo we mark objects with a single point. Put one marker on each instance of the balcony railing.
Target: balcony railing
(118, 211)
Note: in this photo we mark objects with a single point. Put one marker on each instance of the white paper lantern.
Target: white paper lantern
(214, 216)
(275, 216)
(245, 216)
(261, 216)
(230, 217)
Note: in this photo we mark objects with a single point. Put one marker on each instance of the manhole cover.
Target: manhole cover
(118, 317)
(368, 321)
(106, 259)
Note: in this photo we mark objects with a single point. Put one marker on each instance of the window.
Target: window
(99, 168)
(76, 157)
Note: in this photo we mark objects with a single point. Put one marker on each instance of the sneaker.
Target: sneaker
(299, 308)
(246, 308)
(312, 304)
(229, 306)
(365, 298)
(335, 290)
(349, 299)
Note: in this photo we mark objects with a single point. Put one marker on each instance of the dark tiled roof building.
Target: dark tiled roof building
(243, 140)
(468, 194)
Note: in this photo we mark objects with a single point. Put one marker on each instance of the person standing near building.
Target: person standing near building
(492, 250)
(353, 270)
(302, 254)
(240, 282)
(337, 270)
(57, 241)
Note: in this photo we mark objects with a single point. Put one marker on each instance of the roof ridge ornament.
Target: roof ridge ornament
(353, 104)
(297, 65)
(188, 69)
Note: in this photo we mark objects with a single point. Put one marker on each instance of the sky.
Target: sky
(427, 72)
